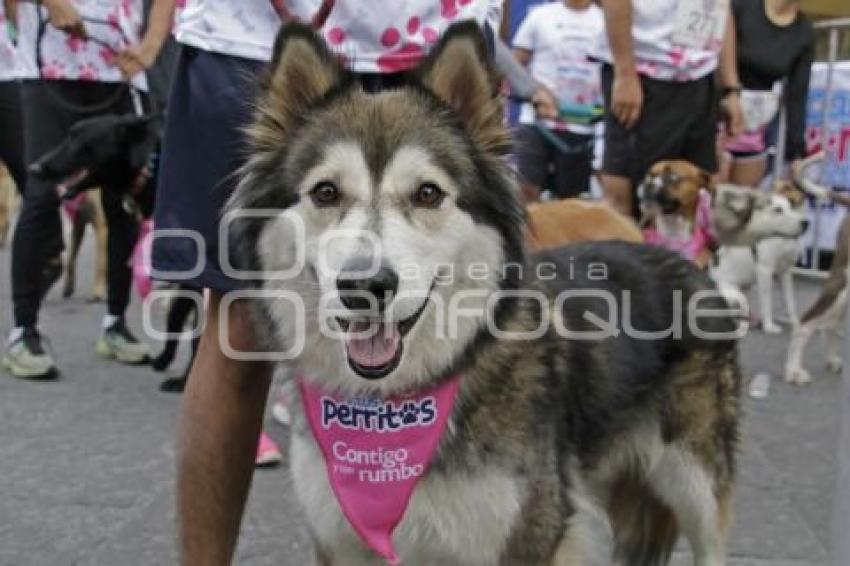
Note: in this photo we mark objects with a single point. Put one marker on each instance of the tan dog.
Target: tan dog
(671, 203)
(90, 213)
(556, 223)
(8, 203)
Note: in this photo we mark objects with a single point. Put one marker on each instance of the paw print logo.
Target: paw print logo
(409, 414)
(405, 53)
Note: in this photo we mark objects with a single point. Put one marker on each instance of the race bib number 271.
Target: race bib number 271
(700, 22)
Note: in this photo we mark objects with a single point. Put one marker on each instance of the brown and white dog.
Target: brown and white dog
(675, 197)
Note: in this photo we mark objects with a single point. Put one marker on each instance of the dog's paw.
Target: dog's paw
(161, 362)
(771, 327)
(96, 298)
(798, 376)
(173, 385)
(409, 414)
(834, 364)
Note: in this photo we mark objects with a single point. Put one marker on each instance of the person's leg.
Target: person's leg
(748, 171)
(220, 427)
(573, 170)
(39, 226)
(618, 162)
(11, 148)
(37, 239)
(532, 153)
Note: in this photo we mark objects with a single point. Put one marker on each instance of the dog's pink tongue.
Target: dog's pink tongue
(372, 344)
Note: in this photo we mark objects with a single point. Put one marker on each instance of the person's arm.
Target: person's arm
(513, 65)
(627, 93)
(137, 58)
(220, 426)
(63, 15)
(796, 97)
(728, 79)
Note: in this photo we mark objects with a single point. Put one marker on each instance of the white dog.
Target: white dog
(829, 311)
(741, 267)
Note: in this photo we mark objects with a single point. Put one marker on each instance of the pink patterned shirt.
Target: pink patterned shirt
(111, 25)
(370, 36)
(674, 40)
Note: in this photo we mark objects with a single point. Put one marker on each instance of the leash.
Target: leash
(96, 108)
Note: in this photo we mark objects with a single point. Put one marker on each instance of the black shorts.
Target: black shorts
(678, 121)
(203, 147)
(563, 168)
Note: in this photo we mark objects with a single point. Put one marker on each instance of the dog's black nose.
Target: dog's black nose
(804, 225)
(365, 293)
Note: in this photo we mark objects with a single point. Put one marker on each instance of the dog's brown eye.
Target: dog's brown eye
(325, 194)
(428, 195)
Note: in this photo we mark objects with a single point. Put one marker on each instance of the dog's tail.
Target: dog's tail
(645, 529)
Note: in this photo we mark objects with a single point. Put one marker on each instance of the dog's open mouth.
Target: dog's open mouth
(375, 346)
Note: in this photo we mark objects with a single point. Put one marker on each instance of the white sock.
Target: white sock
(109, 321)
(15, 334)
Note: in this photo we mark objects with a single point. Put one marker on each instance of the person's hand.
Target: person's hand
(63, 15)
(627, 98)
(545, 103)
(137, 58)
(733, 114)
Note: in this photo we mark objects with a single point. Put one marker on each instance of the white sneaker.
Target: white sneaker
(118, 343)
(27, 358)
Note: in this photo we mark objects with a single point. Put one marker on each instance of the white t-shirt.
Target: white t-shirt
(559, 39)
(675, 40)
(9, 64)
(371, 36)
(111, 26)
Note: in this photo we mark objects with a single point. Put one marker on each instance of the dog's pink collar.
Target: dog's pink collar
(375, 452)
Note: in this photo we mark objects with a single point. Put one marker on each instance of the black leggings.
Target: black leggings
(11, 132)
(38, 233)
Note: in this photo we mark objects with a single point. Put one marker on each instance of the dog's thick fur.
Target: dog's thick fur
(546, 431)
(740, 267)
(555, 223)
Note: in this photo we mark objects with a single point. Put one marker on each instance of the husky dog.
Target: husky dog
(549, 433)
(739, 267)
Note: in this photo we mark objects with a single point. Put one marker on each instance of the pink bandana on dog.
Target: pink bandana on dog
(701, 239)
(376, 450)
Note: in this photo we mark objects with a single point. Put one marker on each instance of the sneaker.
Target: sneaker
(268, 453)
(117, 343)
(27, 358)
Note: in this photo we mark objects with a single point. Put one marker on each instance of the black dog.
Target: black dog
(120, 151)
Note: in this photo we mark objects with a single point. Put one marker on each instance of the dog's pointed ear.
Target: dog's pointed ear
(461, 73)
(302, 72)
